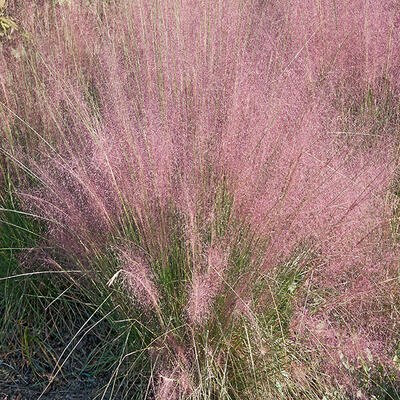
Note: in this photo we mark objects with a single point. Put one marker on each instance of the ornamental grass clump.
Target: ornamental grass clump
(197, 162)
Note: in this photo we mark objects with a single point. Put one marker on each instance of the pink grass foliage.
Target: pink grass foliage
(173, 385)
(145, 105)
(139, 280)
(206, 286)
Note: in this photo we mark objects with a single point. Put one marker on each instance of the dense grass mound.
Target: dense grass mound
(199, 199)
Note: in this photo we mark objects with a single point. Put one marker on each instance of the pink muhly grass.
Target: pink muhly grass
(173, 385)
(139, 280)
(350, 326)
(144, 109)
(206, 286)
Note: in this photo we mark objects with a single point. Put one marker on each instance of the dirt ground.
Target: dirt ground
(23, 385)
(23, 379)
